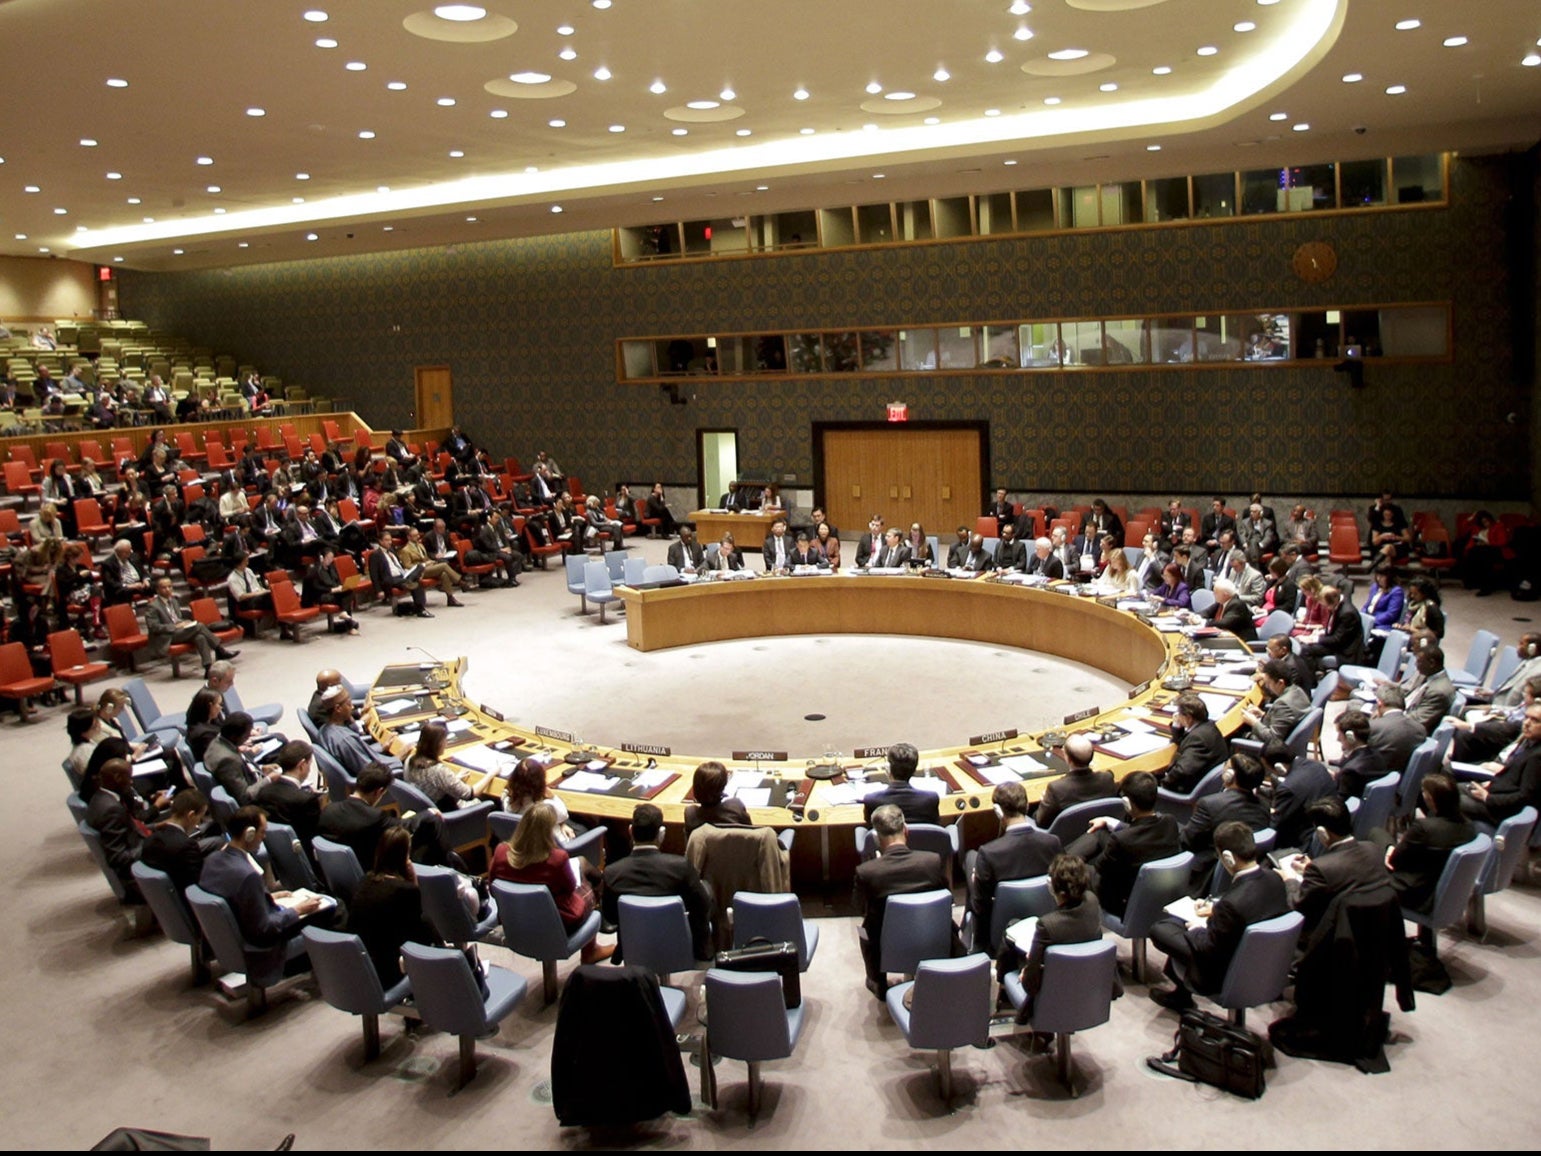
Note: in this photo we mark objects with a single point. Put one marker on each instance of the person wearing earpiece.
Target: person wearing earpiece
(1198, 953)
(1236, 801)
(1022, 851)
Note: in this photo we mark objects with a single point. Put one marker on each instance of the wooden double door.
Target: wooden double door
(931, 473)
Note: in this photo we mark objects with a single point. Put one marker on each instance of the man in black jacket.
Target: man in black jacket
(179, 845)
(1297, 783)
(1345, 866)
(1517, 784)
(898, 870)
(1115, 851)
(917, 806)
(1230, 613)
(1080, 785)
(287, 799)
(1199, 954)
(648, 870)
(1200, 745)
(1022, 851)
(1236, 801)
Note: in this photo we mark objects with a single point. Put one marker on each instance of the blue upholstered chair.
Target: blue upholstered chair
(443, 908)
(1076, 994)
(339, 866)
(349, 982)
(449, 998)
(173, 914)
(1511, 843)
(262, 967)
(532, 928)
(1260, 968)
(776, 918)
(915, 928)
(1158, 883)
(1071, 823)
(950, 1009)
(1457, 883)
(747, 1019)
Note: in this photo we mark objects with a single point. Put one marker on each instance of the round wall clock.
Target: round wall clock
(1315, 262)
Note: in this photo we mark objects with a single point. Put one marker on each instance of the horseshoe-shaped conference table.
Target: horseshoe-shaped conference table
(606, 783)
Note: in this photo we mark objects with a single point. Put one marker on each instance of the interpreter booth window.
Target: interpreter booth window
(797, 230)
(683, 355)
(1166, 199)
(637, 359)
(836, 228)
(1124, 342)
(1418, 179)
(735, 355)
(1121, 203)
(917, 349)
(1082, 342)
(875, 224)
(1035, 210)
(1040, 345)
(1362, 184)
(953, 218)
(958, 346)
(994, 213)
(803, 349)
(1422, 331)
(879, 350)
(1316, 333)
(1078, 207)
(998, 345)
(841, 353)
(915, 221)
(1214, 195)
(770, 354)
(1170, 340)
(722, 235)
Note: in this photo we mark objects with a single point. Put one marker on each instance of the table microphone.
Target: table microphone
(433, 682)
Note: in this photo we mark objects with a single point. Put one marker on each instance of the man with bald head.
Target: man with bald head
(1080, 785)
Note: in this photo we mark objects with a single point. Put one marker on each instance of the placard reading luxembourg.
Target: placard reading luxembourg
(560, 736)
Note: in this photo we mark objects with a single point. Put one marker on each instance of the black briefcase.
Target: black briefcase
(1212, 1050)
(761, 954)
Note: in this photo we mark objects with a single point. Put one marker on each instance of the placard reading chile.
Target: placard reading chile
(1082, 714)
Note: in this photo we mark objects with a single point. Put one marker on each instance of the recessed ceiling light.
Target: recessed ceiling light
(87, 142)
(326, 42)
(556, 208)
(470, 220)
(742, 132)
(461, 13)
(308, 237)
(81, 229)
(219, 212)
(568, 53)
(205, 160)
(1020, 8)
(355, 66)
(1278, 116)
(117, 258)
(899, 96)
(396, 85)
(994, 56)
(601, 73)
(44, 249)
(213, 189)
(1107, 87)
(941, 76)
(316, 16)
(114, 176)
(878, 176)
(873, 88)
(242, 245)
(601, 4)
(256, 112)
(445, 102)
(805, 131)
(680, 131)
(1008, 163)
(564, 29)
(1454, 41)
(177, 252)
(657, 199)
(387, 228)
(1408, 25)
(366, 134)
(1069, 54)
(1208, 50)
(529, 77)
(302, 176)
(1051, 100)
(1152, 148)
(933, 120)
(1243, 26)
(1161, 70)
(1023, 32)
(499, 114)
(702, 104)
(762, 188)
(800, 94)
(658, 88)
(1531, 61)
(457, 153)
(296, 200)
(1267, 3)
(992, 112)
(31, 189)
(382, 188)
(1302, 127)
(1352, 77)
(617, 128)
(21, 236)
(1396, 90)
(134, 201)
(61, 212)
(558, 123)
(727, 94)
(116, 82)
(149, 220)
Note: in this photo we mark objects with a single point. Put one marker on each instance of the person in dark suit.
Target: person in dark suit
(229, 764)
(897, 870)
(1115, 850)
(286, 799)
(1344, 867)
(118, 816)
(1430, 693)
(387, 908)
(1103, 522)
(1022, 851)
(496, 543)
(123, 577)
(389, 575)
(1003, 511)
(686, 555)
(1214, 522)
(1516, 785)
(650, 871)
(1044, 562)
(1080, 784)
(1076, 918)
(1286, 705)
(232, 874)
(1362, 762)
(1343, 635)
(1200, 745)
(1297, 783)
(165, 623)
(1418, 859)
(1174, 520)
(1189, 562)
(1198, 955)
(1392, 733)
(727, 556)
(977, 557)
(1297, 672)
(180, 843)
(916, 806)
(871, 542)
(893, 554)
(1230, 613)
(712, 804)
(358, 822)
(1236, 801)
(1010, 554)
(805, 553)
(778, 546)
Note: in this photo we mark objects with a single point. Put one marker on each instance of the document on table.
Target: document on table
(1169, 625)
(396, 706)
(1133, 745)
(1022, 933)
(486, 760)
(1218, 704)
(588, 781)
(1239, 682)
(645, 781)
(1468, 770)
(1186, 909)
(995, 776)
(150, 766)
(930, 783)
(295, 898)
(754, 796)
(744, 781)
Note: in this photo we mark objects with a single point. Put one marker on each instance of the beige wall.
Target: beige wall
(45, 289)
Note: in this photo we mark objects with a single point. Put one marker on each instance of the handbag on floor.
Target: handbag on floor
(1210, 1050)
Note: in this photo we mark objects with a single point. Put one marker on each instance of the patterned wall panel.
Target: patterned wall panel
(528, 328)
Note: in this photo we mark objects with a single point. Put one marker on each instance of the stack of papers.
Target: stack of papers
(589, 781)
(1133, 745)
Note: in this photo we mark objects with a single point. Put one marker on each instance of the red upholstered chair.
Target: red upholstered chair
(89, 522)
(67, 654)
(23, 453)
(18, 480)
(287, 609)
(189, 448)
(534, 549)
(61, 450)
(125, 638)
(17, 680)
(206, 611)
(363, 589)
(986, 526)
(1343, 545)
(333, 432)
(472, 570)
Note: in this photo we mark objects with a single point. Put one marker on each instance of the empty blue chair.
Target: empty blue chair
(575, 583)
(776, 918)
(1453, 892)
(308, 725)
(1180, 804)
(1393, 650)
(443, 907)
(464, 827)
(262, 967)
(748, 1020)
(660, 573)
(597, 587)
(1158, 883)
(148, 712)
(615, 563)
(1484, 644)
(1504, 666)
(339, 866)
(173, 914)
(349, 982)
(1076, 994)
(532, 928)
(450, 1000)
(1202, 600)
(1510, 845)
(915, 928)
(950, 1009)
(72, 775)
(290, 864)
(1261, 966)
(223, 806)
(339, 781)
(1380, 799)
(1071, 823)
(655, 934)
(635, 571)
(1325, 689)
(1277, 622)
(267, 714)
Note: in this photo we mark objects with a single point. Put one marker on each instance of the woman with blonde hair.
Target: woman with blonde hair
(533, 856)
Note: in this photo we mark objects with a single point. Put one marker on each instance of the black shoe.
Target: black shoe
(226, 655)
(424, 614)
(878, 988)
(1172, 998)
(453, 601)
(513, 581)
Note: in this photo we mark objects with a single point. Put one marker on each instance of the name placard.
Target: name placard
(1142, 688)
(992, 737)
(760, 756)
(490, 713)
(870, 752)
(646, 749)
(560, 736)
(1082, 714)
